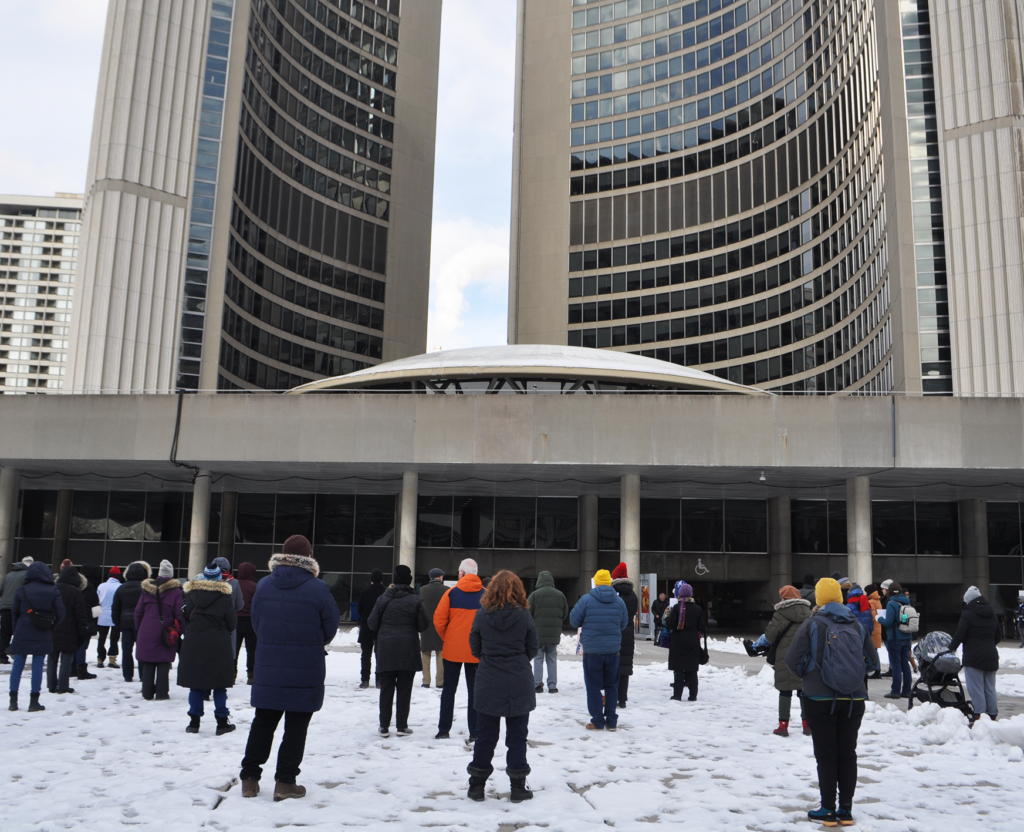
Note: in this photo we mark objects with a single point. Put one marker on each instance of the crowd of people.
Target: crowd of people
(823, 641)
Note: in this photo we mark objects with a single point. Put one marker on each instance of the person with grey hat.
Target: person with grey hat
(979, 633)
(398, 619)
(159, 622)
(431, 644)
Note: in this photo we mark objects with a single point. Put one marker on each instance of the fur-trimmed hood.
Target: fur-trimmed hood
(151, 586)
(623, 582)
(792, 602)
(138, 571)
(298, 561)
(222, 587)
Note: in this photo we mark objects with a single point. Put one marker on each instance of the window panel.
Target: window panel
(473, 523)
(702, 526)
(659, 525)
(434, 522)
(557, 522)
(375, 521)
(514, 522)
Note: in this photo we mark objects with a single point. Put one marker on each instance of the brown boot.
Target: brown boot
(283, 791)
(113, 663)
(250, 788)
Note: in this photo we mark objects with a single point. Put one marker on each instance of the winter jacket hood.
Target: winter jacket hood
(792, 602)
(979, 632)
(453, 618)
(152, 587)
(549, 609)
(246, 571)
(204, 593)
(40, 573)
(138, 571)
(602, 616)
(303, 562)
(504, 640)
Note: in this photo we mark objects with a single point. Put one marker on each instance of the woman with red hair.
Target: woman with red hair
(504, 639)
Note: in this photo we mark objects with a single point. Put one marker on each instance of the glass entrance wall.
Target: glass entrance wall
(498, 522)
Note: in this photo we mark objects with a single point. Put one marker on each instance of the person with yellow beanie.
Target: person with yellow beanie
(601, 617)
(829, 654)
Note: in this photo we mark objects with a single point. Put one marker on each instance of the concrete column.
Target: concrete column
(407, 520)
(588, 543)
(62, 527)
(974, 544)
(858, 530)
(226, 535)
(10, 482)
(629, 530)
(200, 523)
(780, 543)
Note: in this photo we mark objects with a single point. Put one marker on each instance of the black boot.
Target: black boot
(193, 725)
(83, 672)
(14, 702)
(223, 726)
(518, 778)
(477, 781)
(33, 702)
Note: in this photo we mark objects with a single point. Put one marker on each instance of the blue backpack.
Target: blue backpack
(842, 662)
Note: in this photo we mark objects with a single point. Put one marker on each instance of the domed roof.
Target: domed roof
(525, 368)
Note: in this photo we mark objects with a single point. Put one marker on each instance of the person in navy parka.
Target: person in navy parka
(295, 618)
(38, 593)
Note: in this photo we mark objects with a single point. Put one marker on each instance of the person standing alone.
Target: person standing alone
(601, 615)
(453, 620)
(978, 631)
(686, 623)
(367, 637)
(549, 610)
(431, 643)
(295, 617)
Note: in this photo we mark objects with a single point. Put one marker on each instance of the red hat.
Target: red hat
(115, 570)
(620, 571)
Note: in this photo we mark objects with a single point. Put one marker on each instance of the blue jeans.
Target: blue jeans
(601, 673)
(220, 702)
(516, 730)
(899, 663)
(18, 665)
(452, 671)
(81, 657)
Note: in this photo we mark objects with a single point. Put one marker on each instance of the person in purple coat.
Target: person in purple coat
(160, 606)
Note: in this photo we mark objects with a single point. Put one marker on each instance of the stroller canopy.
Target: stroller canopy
(933, 651)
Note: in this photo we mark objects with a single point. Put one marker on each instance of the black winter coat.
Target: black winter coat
(367, 600)
(92, 599)
(126, 599)
(658, 608)
(684, 645)
(505, 640)
(207, 660)
(431, 595)
(398, 618)
(978, 631)
(624, 586)
(73, 631)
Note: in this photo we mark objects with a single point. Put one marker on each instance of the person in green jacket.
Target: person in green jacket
(549, 610)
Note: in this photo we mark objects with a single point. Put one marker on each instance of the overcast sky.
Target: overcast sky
(49, 64)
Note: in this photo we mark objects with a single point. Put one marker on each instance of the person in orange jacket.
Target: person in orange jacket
(876, 634)
(453, 619)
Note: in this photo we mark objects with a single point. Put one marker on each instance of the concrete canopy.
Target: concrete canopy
(602, 369)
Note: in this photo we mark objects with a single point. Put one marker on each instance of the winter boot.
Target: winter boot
(807, 729)
(783, 729)
(477, 781)
(248, 679)
(844, 816)
(100, 663)
(286, 791)
(826, 816)
(14, 702)
(112, 662)
(83, 672)
(193, 725)
(539, 689)
(33, 703)
(519, 790)
(250, 788)
(223, 726)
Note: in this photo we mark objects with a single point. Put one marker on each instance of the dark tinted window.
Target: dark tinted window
(1003, 529)
(892, 528)
(659, 525)
(608, 529)
(89, 515)
(335, 519)
(837, 526)
(473, 523)
(127, 515)
(254, 518)
(557, 522)
(514, 522)
(434, 522)
(375, 521)
(809, 520)
(294, 516)
(1005, 570)
(746, 526)
(38, 513)
(938, 531)
(702, 525)
(164, 516)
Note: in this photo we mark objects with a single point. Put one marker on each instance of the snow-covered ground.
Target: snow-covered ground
(103, 759)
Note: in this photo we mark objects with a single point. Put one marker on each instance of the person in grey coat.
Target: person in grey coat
(11, 584)
(397, 618)
(504, 639)
(790, 613)
(549, 609)
(431, 644)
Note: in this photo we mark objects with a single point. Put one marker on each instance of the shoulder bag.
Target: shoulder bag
(170, 634)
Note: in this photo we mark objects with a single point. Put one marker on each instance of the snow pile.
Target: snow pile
(1011, 658)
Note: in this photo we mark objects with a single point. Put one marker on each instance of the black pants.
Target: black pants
(834, 729)
(452, 672)
(127, 657)
(516, 730)
(392, 681)
(261, 738)
(155, 679)
(58, 671)
(623, 688)
(367, 646)
(245, 633)
(6, 632)
(685, 679)
(101, 642)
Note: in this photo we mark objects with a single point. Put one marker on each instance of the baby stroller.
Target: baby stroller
(939, 681)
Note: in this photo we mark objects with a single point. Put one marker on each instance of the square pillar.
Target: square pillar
(200, 531)
(407, 520)
(588, 543)
(629, 530)
(858, 530)
(780, 542)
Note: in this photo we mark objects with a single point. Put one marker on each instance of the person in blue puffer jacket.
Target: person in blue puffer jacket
(295, 618)
(602, 616)
(857, 602)
(897, 643)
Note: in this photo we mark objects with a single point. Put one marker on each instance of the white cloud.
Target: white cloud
(468, 284)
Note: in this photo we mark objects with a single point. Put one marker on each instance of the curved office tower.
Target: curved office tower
(259, 195)
(703, 182)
